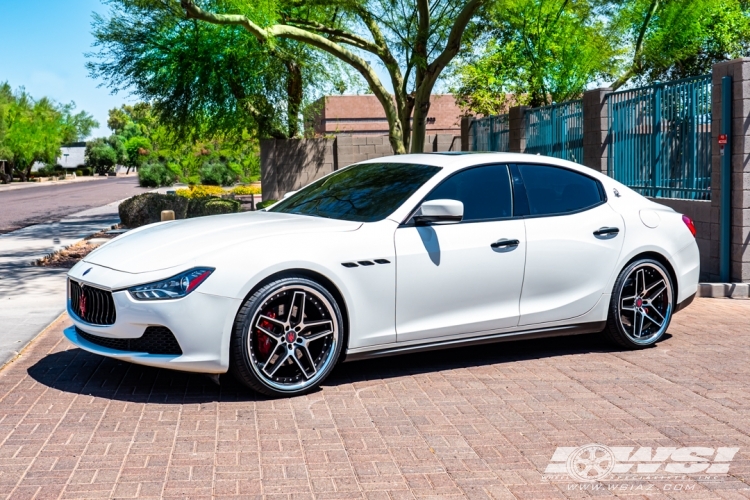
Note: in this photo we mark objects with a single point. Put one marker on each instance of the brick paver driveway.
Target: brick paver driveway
(475, 422)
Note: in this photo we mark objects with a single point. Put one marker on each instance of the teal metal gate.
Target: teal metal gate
(556, 130)
(489, 133)
(661, 138)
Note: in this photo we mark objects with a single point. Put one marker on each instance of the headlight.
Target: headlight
(171, 288)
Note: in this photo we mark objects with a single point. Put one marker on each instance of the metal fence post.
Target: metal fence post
(656, 144)
(725, 207)
(692, 137)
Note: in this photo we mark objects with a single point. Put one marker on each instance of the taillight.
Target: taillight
(689, 223)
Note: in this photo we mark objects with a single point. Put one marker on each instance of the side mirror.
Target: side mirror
(439, 212)
(287, 195)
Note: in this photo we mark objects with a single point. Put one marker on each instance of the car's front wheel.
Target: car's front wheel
(287, 337)
(641, 305)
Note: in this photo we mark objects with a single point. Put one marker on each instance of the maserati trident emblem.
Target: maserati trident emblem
(82, 304)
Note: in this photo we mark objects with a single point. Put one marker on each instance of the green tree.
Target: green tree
(414, 40)
(101, 156)
(35, 129)
(6, 100)
(129, 121)
(138, 149)
(540, 51)
(218, 80)
(671, 39)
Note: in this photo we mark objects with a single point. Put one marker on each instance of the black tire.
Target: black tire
(278, 351)
(641, 306)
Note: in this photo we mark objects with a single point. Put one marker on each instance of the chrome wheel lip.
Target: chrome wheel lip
(667, 314)
(324, 366)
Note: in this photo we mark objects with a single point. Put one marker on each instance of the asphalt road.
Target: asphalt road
(35, 205)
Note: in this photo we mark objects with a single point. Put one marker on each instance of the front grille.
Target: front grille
(92, 305)
(155, 340)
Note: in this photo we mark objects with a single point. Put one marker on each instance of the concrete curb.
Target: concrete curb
(724, 290)
(20, 352)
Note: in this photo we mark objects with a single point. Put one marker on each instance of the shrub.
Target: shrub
(46, 171)
(192, 180)
(199, 207)
(201, 192)
(86, 171)
(146, 208)
(79, 173)
(264, 204)
(218, 174)
(155, 175)
(245, 190)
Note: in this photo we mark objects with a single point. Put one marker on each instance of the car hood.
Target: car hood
(170, 244)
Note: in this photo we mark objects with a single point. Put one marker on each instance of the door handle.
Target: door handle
(607, 231)
(504, 243)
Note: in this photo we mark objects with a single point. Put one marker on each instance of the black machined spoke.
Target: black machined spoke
(630, 306)
(652, 320)
(259, 325)
(297, 309)
(318, 336)
(662, 288)
(270, 320)
(309, 371)
(640, 282)
(638, 324)
(657, 311)
(283, 355)
(317, 329)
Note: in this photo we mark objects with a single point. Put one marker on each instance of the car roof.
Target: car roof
(452, 161)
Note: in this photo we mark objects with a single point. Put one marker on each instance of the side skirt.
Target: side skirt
(557, 331)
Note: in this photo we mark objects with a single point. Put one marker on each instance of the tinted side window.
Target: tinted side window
(553, 190)
(484, 191)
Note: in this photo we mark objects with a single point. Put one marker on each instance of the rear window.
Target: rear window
(363, 193)
(554, 190)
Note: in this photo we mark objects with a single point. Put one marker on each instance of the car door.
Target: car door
(573, 242)
(462, 277)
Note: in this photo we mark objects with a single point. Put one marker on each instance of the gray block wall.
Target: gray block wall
(288, 165)
(355, 148)
(739, 70)
(706, 219)
(517, 129)
(596, 129)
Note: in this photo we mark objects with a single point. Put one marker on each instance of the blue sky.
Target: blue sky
(42, 46)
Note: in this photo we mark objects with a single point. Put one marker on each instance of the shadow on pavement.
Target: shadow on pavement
(70, 227)
(22, 280)
(78, 371)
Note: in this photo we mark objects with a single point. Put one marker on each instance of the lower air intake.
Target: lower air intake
(155, 340)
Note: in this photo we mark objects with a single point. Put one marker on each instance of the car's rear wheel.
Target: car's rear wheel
(287, 337)
(641, 305)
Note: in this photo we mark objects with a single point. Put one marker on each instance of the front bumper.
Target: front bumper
(201, 323)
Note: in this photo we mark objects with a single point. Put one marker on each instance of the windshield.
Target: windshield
(363, 193)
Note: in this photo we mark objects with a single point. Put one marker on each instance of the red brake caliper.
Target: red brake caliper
(264, 341)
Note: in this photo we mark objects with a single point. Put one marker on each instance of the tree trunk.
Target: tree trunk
(419, 125)
(27, 171)
(294, 97)
(4, 177)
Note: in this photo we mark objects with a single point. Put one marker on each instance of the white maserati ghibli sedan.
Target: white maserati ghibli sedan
(384, 257)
